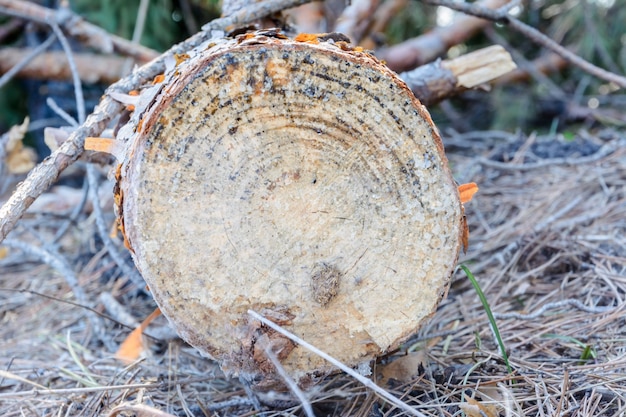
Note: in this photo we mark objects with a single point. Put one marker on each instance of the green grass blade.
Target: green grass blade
(588, 352)
(492, 320)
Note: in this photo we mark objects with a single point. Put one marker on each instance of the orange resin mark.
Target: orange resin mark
(180, 58)
(131, 107)
(158, 79)
(307, 37)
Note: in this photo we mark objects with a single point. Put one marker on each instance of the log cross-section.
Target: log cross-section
(302, 180)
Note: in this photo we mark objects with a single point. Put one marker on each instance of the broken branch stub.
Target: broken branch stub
(302, 180)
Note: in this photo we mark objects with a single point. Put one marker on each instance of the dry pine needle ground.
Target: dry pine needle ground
(547, 243)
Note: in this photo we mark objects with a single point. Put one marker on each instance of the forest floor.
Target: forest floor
(547, 245)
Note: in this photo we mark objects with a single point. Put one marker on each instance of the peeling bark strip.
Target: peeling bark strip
(302, 180)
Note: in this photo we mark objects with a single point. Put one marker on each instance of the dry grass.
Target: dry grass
(542, 233)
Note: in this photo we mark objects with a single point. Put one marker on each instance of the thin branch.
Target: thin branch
(7, 76)
(367, 382)
(78, 86)
(291, 384)
(128, 270)
(60, 112)
(72, 303)
(188, 18)
(502, 16)
(140, 23)
(73, 215)
(529, 67)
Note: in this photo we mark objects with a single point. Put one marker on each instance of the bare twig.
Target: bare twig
(291, 384)
(591, 30)
(73, 215)
(529, 67)
(140, 22)
(69, 302)
(367, 382)
(15, 69)
(60, 112)
(233, 402)
(502, 16)
(46, 173)
(78, 87)
(128, 270)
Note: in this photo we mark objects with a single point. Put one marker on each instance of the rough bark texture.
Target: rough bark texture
(302, 180)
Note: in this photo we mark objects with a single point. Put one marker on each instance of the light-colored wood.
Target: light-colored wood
(438, 80)
(301, 180)
(480, 66)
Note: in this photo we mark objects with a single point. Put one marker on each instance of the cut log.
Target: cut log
(302, 180)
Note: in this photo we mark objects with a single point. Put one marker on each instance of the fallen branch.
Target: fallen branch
(431, 45)
(92, 68)
(438, 80)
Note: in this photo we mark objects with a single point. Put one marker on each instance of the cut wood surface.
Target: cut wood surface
(439, 79)
(302, 180)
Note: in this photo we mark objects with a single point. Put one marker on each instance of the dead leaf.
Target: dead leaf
(473, 408)
(133, 347)
(4, 251)
(467, 191)
(405, 368)
(20, 159)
